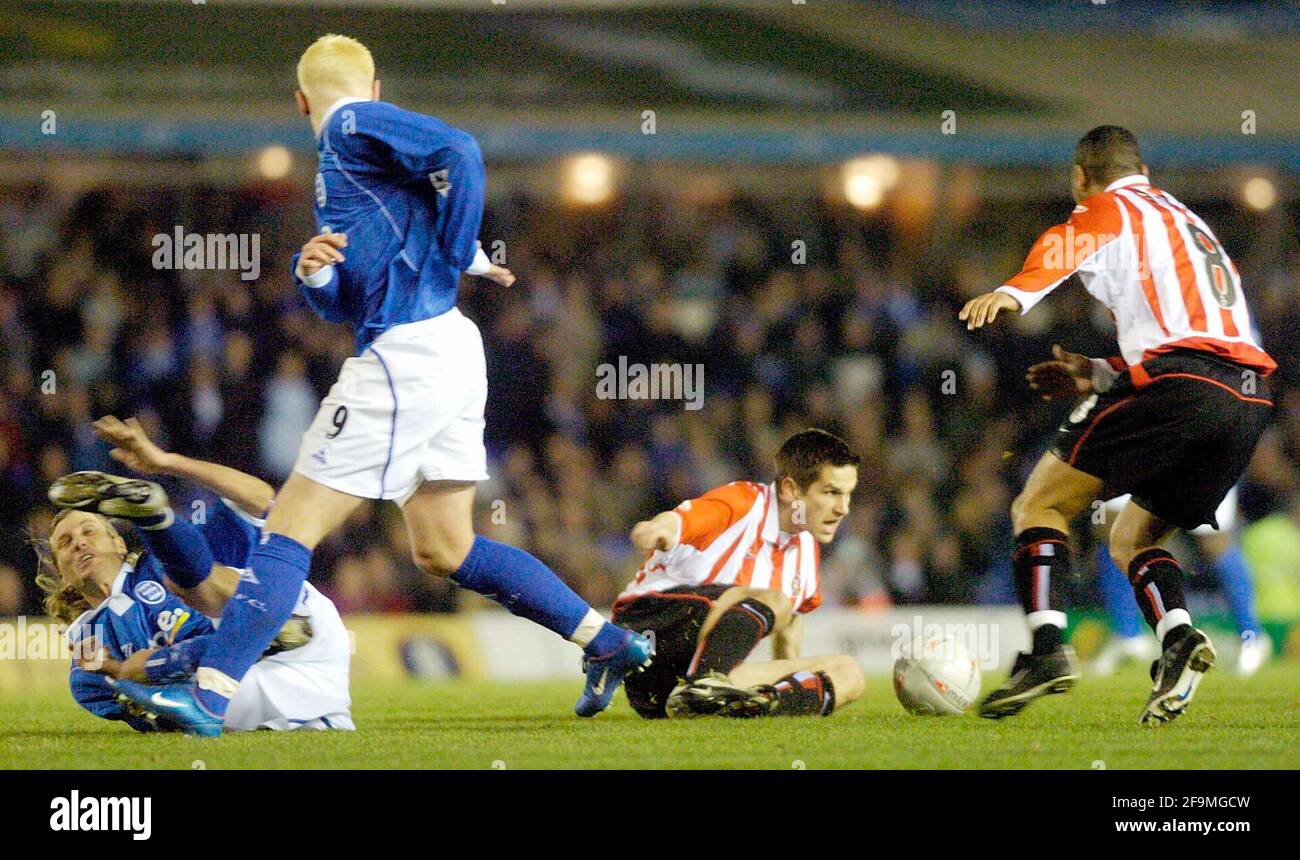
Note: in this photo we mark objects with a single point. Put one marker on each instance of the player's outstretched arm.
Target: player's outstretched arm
(92, 691)
(982, 310)
(134, 449)
(662, 532)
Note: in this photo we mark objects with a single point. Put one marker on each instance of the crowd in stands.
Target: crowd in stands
(801, 312)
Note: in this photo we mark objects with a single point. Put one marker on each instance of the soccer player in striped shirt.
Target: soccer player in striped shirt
(731, 567)
(1173, 420)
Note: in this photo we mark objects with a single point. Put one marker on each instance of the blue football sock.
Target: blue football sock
(610, 638)
(1117, 596)
(1234, 578)
(185, 555)
(254, 615)
(531, 590)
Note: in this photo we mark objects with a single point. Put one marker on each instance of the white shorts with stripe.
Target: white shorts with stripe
(306, 688)
(407, 410)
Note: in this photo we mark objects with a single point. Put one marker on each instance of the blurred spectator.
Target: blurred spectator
(12, 590)
(860, 339)
(290, 406)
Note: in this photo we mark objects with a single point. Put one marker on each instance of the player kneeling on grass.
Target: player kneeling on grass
(735, 565)
(130, 629)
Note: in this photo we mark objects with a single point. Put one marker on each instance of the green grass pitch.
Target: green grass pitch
(1234, 723)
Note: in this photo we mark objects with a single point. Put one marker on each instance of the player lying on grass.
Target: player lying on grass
(128, 626)
(731, 567)
(1173, 421)
(399, 201)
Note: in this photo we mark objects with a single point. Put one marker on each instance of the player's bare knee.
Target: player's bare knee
(1026, 508)
(439, 558)
(777, 601)
(1035, 508)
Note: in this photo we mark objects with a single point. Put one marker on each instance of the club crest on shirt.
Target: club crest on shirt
(150, 592)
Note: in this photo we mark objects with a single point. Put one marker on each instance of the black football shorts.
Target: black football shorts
(675, 618)
(1176, 431)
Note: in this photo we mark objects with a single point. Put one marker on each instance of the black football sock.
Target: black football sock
(802, 694)
(1042, 557)
(1158, 586)
(732, 638)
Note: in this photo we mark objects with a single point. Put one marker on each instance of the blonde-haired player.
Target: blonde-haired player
(335, 67)
(399, 201)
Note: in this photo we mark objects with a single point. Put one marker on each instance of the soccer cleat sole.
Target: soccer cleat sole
(79, 490)
(97, 490)
(707, 701)
(1171, 705)
(1012, 705)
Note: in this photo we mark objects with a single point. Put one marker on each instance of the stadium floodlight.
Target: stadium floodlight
(274, 162)
(867, 179)
(588, 179)
(1259, 193)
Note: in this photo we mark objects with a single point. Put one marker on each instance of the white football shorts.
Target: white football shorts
(305, 688)
(1226, 513)
(407, 410)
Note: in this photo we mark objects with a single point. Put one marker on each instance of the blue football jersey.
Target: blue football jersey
(141, 613)
(408, 191)
(231, 534)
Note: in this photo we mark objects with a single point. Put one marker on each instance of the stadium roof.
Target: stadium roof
(750, 81)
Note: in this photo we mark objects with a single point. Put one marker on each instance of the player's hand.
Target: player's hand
(982, 310)
(658, 533)
(132, 446)
(90, 655)
(132, 668)
(1069, 374)
(499, 275)
(321, 250)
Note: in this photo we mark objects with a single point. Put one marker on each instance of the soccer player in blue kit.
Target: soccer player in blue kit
(128, 622)
(399, 201)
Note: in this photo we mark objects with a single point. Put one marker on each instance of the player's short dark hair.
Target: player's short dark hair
(802, 456)
(1106, 153)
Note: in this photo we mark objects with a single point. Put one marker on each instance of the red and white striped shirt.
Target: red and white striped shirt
(732, 536)
(1156, 266)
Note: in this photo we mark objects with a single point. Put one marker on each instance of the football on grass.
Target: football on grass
(936, 676)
